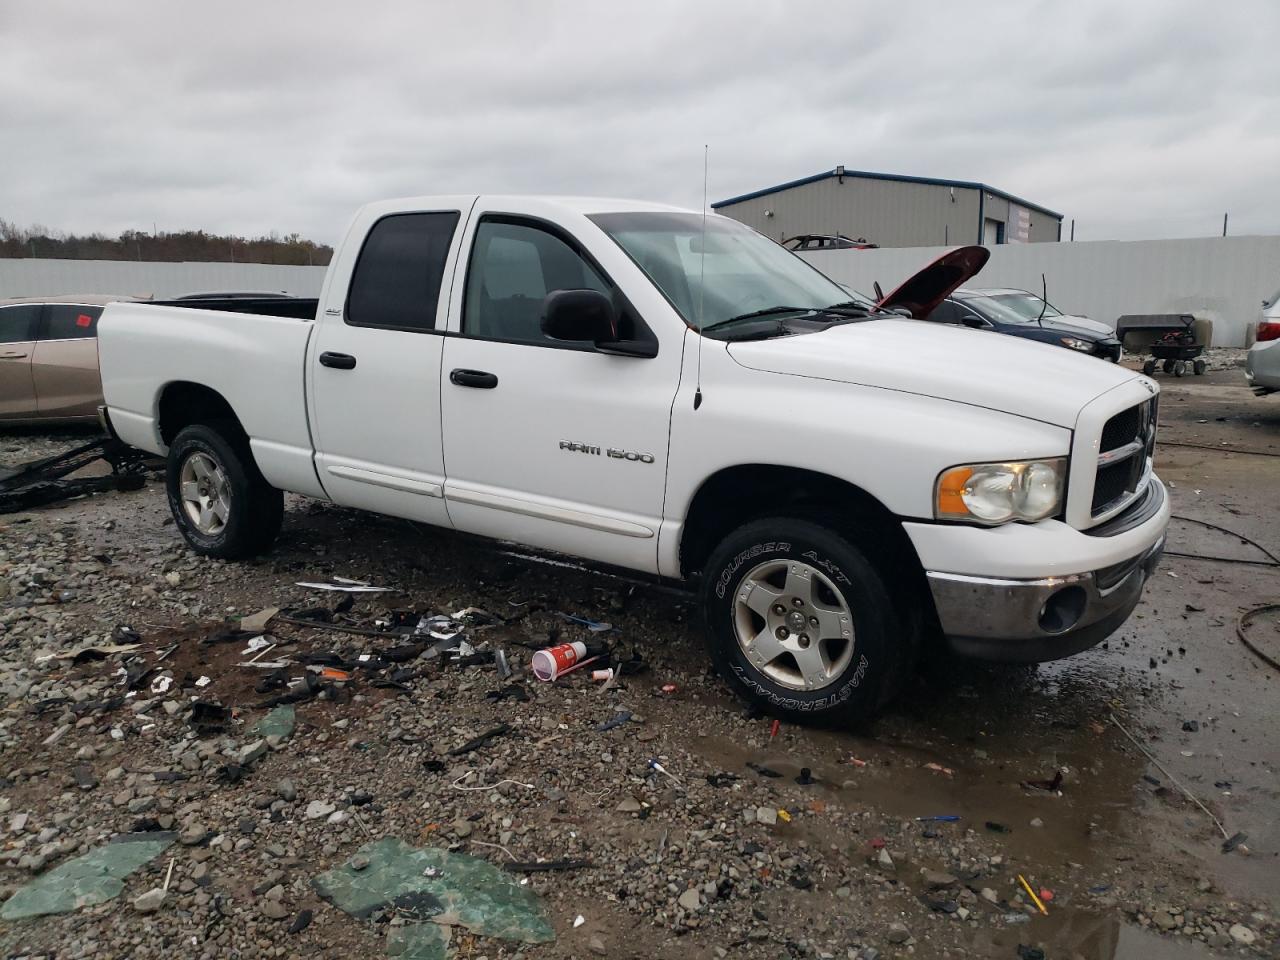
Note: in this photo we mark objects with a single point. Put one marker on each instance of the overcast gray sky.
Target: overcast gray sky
(1147, 118)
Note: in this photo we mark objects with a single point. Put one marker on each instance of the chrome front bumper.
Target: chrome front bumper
(1035, 620)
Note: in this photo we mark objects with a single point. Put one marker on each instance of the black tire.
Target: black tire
(1168, 366)
(881, 651)
(1200, 366)
(1149, 367)
(1179, 368)
(256, 508)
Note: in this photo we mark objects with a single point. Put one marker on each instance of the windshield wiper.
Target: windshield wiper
(767, 311)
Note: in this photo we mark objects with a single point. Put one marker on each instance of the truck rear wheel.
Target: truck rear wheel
(221, 503)
(799, 620)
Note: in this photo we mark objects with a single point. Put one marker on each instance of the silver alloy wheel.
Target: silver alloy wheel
(205, 493)
(793, 624)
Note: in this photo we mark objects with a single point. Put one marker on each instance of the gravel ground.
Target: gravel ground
(819, 855)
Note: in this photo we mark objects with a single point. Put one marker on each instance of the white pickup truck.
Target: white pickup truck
(651, 388)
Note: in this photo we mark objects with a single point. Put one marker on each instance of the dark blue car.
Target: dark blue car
(1022, 314)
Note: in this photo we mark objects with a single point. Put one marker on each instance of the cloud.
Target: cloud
(1141, 119)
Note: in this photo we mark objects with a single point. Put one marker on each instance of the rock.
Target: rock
(301, 921)
(141, 804)
(358, 862)
(84, 777)
(990, 895)
(338, 817)
(57, 735)
(1242, 934)
(766, 815)
(1037, 822)
(596, 946)
(253, 752)
(690, 900)
(150, 901)
(173, 578)
(938, 880)
(273, 909)
(286, 791)
(898, 933)
(319, 808)
(193, 833)
(884, 859)
(630, 805)
(462, 828)
(1164, 920)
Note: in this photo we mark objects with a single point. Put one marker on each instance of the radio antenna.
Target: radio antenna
(702, 272)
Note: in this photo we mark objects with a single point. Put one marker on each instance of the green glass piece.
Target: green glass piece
(432, 884)
(94, 877)
(419, 941)
(278, 723)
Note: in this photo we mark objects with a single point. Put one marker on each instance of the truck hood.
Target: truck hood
(1008, 374)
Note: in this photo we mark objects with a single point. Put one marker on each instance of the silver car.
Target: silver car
(1262, 366)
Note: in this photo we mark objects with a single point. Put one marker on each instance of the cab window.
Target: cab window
(71, 321)
(18, 322)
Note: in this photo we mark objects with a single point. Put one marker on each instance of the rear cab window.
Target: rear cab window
(397, 277)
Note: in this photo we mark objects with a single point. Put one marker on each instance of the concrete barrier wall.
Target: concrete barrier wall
(1221, 279)
(45, 278)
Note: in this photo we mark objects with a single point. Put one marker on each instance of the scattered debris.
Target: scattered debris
(477, 742)
(1053, 785)
(344, 585)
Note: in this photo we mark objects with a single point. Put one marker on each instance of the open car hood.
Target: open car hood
(921, 293)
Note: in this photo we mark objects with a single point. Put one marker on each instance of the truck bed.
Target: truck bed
(251, 352)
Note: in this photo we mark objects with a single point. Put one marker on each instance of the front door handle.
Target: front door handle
(473, 378)
(12, 355)
(339, 361)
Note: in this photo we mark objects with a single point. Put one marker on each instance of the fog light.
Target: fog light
(1063, 610)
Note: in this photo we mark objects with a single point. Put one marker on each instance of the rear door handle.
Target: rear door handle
(473, 378)
(339, 361)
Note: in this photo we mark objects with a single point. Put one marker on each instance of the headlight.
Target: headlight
(1076, 344)
(994, 493)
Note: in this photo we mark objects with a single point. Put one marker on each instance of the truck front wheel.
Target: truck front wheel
(220, 501)
(799, 620)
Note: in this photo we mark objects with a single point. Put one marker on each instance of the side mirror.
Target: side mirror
(969, 320)
(579, 315)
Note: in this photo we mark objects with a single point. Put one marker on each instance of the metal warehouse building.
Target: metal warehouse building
(893, 210)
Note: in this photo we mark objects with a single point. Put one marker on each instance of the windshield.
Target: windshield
(731, 272)
(1026, 305)
(997, 310)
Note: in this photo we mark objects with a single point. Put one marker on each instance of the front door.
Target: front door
(18, 325)
(374, 366)
(549, 443)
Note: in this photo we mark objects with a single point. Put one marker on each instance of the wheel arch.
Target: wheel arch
(739, 494)
(183, 402)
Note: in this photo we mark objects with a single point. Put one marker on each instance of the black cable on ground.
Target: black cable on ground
(1271, 561)
(1243, 621)
(1209, 446)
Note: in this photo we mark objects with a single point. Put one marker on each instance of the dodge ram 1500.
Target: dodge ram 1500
(670, 392)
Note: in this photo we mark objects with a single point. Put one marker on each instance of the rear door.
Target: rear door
(18, 325)
(374, 363)
(64, 364)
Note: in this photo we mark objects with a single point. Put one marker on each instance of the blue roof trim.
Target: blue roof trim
(899, 177)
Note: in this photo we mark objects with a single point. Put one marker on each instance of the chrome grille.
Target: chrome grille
(1128, 444)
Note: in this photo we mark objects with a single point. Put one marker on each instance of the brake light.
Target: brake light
(1268, 330)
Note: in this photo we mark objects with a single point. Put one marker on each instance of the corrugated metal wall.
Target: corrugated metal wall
(47, 278)
(1224, 279)
(891, 213)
